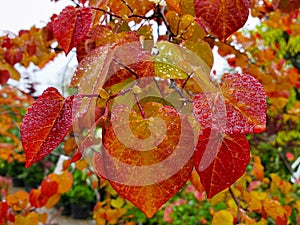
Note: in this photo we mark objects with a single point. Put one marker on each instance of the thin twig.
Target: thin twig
(238, 205)
(127, 68)
(139, 105)
(287, 165)
(186, 80)
(128, 6)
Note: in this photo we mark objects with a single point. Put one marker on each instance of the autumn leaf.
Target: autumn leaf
(4, 76)
(37, 199)
(45, 124)
(222, 217)
(246, 104)
(240, 107)
(220, 159)
(64, 181)
(18, 201)
(221, 17)
(71, 26)
(49, 188)
(155, 144)
(3, 212)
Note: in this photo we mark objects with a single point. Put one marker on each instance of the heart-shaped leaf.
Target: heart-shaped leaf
(45, 124)
(139, 148)
(221, 17)
(240, 107)
(71, 26)
(220, 159)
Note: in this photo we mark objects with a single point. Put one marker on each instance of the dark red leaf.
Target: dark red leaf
(221, 17)
(4, 76)
(220, 159)
(45, 124)
(13, 56)
(71, 26)
(3, 212)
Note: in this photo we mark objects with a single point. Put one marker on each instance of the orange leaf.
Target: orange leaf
(18, 201)
(258, 169)
(52, 201)
(221, 17)
(64, 180)
(195, 179)
(140, 148)
(276, 211)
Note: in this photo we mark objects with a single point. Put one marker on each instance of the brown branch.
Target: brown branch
(287, 165)
(238, 220)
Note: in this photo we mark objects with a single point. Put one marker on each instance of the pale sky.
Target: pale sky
(16, 15)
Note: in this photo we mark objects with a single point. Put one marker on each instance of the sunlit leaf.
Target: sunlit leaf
(222, 217)
(221, 17)
(137, 144)
(45, 124)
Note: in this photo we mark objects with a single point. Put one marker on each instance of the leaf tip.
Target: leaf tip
(259, 128)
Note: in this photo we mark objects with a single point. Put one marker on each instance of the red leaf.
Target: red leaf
(4, 76)
(49, 188)
(220, 160)
(71, 26)
(45, 124)
(221, 17)
(3, 212)
(242, 102)
(13, 56)
(246, 104)
(37, 199)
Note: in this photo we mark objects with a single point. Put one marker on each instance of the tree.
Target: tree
(146, 104)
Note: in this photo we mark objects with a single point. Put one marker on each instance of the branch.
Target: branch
(238, 220)
(287, 165)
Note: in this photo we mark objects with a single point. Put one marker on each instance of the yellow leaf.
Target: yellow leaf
(52, 201)
(81, 164)
(222, 217)
(259, 195)
(117, 203)
(220, 197)
(64, 180)
(14, 74)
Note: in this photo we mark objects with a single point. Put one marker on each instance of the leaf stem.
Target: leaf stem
(186, 80)
(238, 205)
(139, 105)
(287, 165)
(127, 68)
